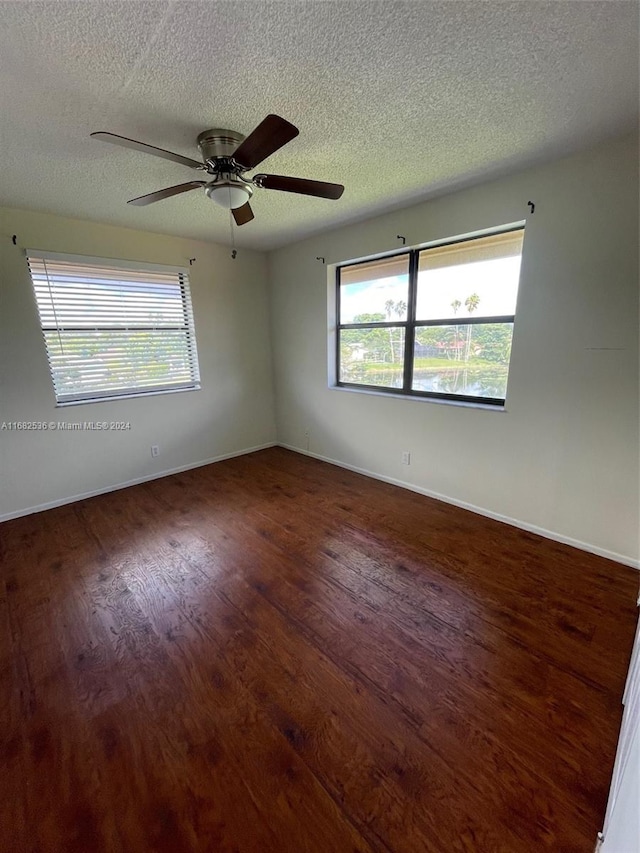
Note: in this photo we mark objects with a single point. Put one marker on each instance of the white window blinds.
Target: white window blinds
(113, 329)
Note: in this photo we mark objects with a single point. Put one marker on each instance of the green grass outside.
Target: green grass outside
(434, 364)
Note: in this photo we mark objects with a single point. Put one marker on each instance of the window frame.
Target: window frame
(411, 324)
(116, 265)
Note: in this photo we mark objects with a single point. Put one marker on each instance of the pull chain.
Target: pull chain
(234, 251)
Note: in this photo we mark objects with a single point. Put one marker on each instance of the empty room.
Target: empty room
(319, 427)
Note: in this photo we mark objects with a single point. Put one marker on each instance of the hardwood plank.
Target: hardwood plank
(272, 653)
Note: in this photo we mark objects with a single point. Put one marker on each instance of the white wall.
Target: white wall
(563, 457)
(233, 411)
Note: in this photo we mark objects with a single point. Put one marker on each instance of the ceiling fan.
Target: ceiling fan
(226, 156)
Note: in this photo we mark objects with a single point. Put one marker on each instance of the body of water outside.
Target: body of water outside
(481, 382)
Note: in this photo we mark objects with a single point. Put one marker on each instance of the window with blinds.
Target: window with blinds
(432, 322)
(114, 328)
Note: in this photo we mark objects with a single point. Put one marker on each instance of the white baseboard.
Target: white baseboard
(515, 522)
(136, 481)
(523, 525)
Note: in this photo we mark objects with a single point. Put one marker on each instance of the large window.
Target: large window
(114, 328)
(434, 322)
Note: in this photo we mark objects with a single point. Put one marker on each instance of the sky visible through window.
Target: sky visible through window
(494, 281)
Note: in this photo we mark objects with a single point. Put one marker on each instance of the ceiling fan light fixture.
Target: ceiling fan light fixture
(229, 194)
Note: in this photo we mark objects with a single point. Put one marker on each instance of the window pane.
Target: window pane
(372, 356)
(477, 278)
(466, 359)
(375, 292)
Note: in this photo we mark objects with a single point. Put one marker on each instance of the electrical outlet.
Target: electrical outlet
(406, 457)
(155, 450)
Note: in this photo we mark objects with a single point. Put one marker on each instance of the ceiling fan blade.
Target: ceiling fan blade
(166, 193)
(243, 214)
(125, 142)
(272, 133)
(321, 189)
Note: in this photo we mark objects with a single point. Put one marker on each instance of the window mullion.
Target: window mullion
(410, 333)
(338, 318)
(372, 324)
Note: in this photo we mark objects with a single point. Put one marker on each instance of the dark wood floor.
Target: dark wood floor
(272, 654)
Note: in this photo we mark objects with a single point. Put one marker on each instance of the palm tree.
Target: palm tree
(470, 303)
(455, 305)
(400, 309)
(389, 305)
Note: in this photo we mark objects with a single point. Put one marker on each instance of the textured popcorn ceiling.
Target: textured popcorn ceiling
(397, 100)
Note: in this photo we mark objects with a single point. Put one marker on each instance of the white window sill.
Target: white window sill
(465, 404)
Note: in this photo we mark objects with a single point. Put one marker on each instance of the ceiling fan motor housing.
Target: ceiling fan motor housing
(217, 147)
(218, 143)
